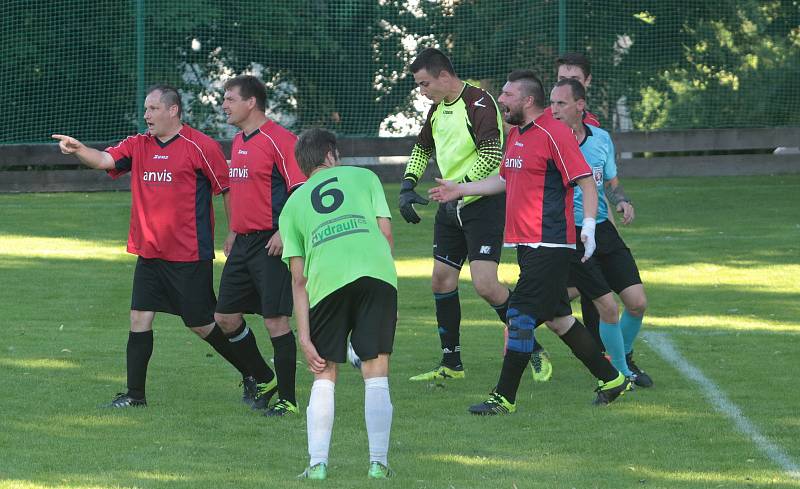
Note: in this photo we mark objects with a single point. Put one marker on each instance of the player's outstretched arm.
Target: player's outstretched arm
(301, 314)
(89, 156)
(448, 190)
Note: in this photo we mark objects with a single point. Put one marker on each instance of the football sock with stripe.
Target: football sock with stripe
(611, 334)
(591, 318)
(216, 338)
(448, 317)
(285, 365)
(378, 416)
(630, 326)
(319, 420)
(243, 342)
(588, 352)
(138, 353)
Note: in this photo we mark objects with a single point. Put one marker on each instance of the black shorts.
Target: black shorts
(475, 232)
(253, 281)
(587, 276)
(185, 289)
(541, 290)
(366, 310)
(613, 257)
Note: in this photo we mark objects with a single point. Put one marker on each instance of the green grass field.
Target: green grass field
(719, 261)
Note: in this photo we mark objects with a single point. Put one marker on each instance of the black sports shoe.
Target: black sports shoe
(607, 392)
(641, 378)
(125, 401)
(249, 390)
(265, 393)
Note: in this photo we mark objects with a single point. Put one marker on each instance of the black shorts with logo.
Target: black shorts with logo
(474, 232)
(253, 281)
(366, 310)
(541, 290)
(185, 289)
(613, 258)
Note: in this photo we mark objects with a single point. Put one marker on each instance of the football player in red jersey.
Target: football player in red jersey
(175, 170)
(263, 172)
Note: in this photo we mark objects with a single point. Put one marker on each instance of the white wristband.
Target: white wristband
(589, 223)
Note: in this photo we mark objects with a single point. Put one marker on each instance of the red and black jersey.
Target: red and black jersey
(588, 117)
(263, 173)
(172, 217)
(540, 165)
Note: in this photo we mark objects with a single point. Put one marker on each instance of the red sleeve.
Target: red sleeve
(213, 164)
(591, 119)
(122, 154)
(566, 153)
(288, 166)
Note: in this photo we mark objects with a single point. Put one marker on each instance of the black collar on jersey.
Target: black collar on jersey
(526, 127)
(166, 143)
(588, 133)
(246, 137)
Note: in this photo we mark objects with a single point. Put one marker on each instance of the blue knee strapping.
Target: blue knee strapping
(520, 331)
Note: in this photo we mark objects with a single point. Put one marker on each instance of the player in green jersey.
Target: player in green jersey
(337, 241)
(465, 133)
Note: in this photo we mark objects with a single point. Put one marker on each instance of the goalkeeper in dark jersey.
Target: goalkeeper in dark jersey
(464, 132)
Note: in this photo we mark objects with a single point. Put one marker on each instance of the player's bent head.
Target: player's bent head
(577, 90)
(249, 87)
(530, 85)
(574, 65)
(167, 95)
(434, 62)
(315, 148)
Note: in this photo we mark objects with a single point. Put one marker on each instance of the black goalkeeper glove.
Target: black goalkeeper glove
(407, 200)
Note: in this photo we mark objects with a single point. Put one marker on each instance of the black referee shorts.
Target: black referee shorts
(541, 290)
(475, 232)
(365, 309)
(253, 281)
(613, 258)
(185, 289)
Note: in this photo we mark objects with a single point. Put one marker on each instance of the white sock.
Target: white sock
(319, 419)
(378, 415)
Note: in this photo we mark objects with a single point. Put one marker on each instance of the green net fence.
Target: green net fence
(80, 67)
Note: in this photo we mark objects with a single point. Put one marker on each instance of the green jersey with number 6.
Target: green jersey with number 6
(331, 221)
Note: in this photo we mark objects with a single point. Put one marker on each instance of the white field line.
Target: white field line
(662, 345)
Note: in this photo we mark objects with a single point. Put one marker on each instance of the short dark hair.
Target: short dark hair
(578, 90)
(433, 61)
(531, 85)
(575, 59)
(312, 147)
(169, 96)
(249, 87)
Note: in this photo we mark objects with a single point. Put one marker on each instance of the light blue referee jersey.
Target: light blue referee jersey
(598, 150)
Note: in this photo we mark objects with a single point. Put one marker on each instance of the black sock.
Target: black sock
(448, 315)
(591, 319)
(587, 351)
(244, 345)
(514, 364)
(216, 338)
(502, 309)
(285, 365)
(140, 348)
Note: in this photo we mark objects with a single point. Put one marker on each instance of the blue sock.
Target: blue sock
(630, 326)
(611, 335)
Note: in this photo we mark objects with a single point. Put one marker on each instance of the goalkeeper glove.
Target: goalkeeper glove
(407, 200)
